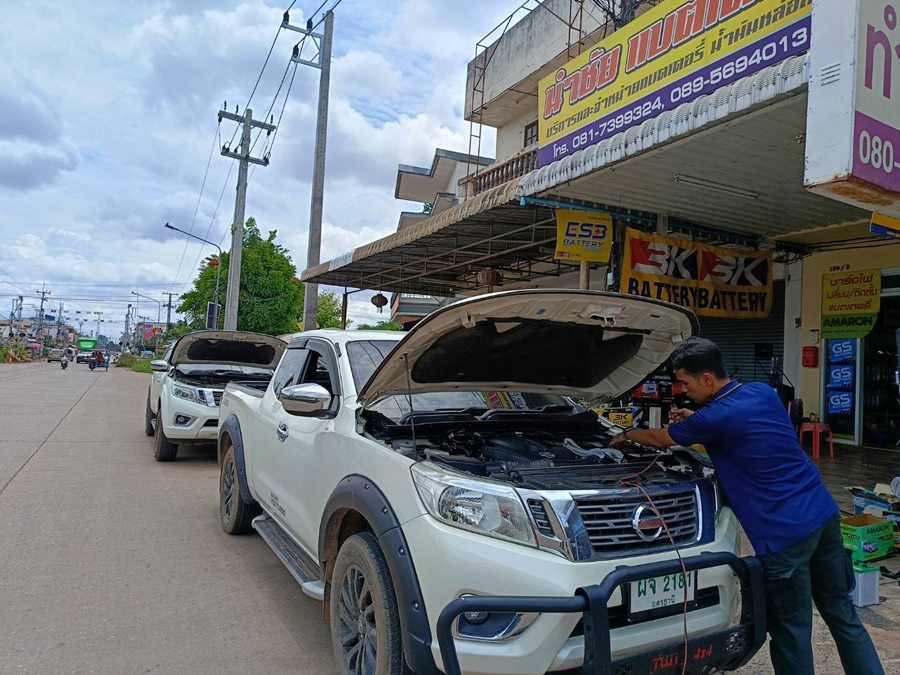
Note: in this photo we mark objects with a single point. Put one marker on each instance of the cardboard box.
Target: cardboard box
(867, 537)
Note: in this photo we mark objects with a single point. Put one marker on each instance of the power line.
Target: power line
(199, 198)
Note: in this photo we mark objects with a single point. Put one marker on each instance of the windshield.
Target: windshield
(366, 355)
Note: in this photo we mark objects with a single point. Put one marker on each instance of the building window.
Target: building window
(531, 135)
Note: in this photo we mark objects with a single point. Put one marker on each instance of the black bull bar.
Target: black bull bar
(726, 649)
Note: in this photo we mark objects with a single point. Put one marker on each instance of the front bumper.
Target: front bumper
(451, 563)
(203, 424)
(725, 649)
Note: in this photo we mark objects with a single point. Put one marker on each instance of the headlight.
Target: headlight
(187, 393)
(487, 508)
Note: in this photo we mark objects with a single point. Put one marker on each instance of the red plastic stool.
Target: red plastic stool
(817, 428)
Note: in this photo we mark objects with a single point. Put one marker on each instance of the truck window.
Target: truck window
(290, 369)
(318, 372)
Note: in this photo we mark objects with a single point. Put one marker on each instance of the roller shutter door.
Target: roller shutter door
(747, 344)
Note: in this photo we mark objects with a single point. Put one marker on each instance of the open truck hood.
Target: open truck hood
(228, 347)
(591, 344)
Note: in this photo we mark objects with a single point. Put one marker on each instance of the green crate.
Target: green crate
(867, 537)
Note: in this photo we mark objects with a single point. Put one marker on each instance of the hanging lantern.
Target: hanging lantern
(489, 277)
(379, 301)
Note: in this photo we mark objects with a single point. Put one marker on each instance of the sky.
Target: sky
(108, 130)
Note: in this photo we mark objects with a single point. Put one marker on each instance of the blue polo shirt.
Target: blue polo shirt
(772, 486)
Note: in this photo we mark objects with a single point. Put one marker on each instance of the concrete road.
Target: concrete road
(113, 563)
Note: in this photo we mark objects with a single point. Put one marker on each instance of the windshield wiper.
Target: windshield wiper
(544, 410)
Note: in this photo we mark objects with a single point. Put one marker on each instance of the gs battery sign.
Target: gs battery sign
(840, 377)
(840, 402)
(841, 351)
(583, 236)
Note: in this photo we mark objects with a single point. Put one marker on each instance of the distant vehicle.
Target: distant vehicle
(55, 355)
(83, 357)
(148, 354)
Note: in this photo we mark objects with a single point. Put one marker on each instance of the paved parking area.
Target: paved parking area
(113, 563)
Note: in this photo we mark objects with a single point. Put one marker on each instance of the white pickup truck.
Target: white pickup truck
(187, 384)
(422, 485)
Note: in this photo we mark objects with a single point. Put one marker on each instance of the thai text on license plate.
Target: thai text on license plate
(658, 592)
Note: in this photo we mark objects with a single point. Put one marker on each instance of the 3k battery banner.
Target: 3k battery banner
(672, 54)
(710, 280)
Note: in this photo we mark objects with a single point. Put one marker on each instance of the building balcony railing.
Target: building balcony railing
(498, 174)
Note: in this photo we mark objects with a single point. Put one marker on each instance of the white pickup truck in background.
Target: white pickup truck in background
(187, 384)
(397, 474)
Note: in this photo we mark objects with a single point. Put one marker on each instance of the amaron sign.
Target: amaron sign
(850, 303)
(853, 137)
(711, 280)
(672, 54)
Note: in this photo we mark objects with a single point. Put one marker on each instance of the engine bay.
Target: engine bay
(547, 456)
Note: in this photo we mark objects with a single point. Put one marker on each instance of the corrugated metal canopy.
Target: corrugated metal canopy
(443, 254)
(743, 149)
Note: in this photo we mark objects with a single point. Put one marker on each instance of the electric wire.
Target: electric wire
(197, 207)
(628, 481)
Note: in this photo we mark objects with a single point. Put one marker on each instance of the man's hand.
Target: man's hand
(619, 440)
(679, 414)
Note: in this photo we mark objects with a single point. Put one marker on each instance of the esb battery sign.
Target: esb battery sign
(840, 402)
(841, 377)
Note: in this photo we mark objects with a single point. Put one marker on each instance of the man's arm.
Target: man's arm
(656, 438)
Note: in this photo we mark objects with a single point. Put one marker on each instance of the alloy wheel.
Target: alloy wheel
(359, 631)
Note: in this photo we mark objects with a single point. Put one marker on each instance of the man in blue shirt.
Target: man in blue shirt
(782, 504)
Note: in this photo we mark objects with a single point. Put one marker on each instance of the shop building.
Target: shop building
(712, 139)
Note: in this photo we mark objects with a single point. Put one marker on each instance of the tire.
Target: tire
(365, 621)
(148, 419)
(235, 514)
(164, 450)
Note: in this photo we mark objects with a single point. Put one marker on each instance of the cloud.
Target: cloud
(30, 247)
(35, 152)
(68, 234)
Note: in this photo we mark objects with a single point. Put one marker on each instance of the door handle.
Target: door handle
(282, 432)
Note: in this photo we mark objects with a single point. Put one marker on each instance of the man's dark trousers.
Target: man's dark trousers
(818, 569)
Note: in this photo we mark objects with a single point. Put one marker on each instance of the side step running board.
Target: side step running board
(303, 568)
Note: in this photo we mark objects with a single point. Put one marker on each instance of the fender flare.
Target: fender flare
(232, 426)
(360, 494)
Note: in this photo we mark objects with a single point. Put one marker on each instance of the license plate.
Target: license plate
(658, 592)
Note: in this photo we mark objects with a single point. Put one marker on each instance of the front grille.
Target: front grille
(217, 395)
(608, 521)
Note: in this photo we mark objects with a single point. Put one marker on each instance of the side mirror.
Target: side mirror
(159, 366)
(305, 400)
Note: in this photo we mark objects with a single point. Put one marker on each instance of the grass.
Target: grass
(141, 366)
(136, 364)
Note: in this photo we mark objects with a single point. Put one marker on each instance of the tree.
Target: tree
(381, 325)
(271, 295)
(328, 314)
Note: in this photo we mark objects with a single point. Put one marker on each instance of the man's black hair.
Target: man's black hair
(697, 355)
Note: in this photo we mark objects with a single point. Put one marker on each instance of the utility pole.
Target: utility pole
(169, 312)
(233, 288)
(19, 318)
(59, 319)
(125, 334)
(314, 244)
(40, 330)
